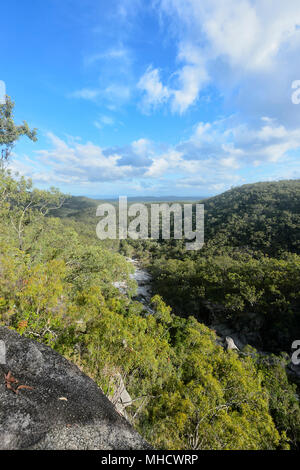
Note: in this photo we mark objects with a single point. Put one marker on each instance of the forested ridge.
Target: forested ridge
(261, 216)
(248, 269)
(58, 286)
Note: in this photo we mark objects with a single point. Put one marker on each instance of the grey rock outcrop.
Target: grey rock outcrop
(62, 409)
(121, 398)
(231, 346)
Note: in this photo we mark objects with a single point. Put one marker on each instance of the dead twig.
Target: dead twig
(11, 383)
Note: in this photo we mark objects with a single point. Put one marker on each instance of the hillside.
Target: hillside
(259, 217)
(262, 216)
(59, 286)
(81, 206)
(149, 229)
(248, 268)
(75, 206)
(248, 272)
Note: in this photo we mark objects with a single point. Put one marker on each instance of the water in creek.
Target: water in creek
(143, 280)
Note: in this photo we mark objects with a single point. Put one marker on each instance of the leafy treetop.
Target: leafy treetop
(9, 131)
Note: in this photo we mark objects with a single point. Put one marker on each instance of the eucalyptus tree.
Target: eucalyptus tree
(10, 132)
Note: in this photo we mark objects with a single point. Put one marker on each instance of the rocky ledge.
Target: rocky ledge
(46, 402)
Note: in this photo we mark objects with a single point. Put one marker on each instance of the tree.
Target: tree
(9, 132)
(26, 207)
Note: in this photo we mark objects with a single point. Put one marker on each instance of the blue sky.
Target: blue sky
(161, 97)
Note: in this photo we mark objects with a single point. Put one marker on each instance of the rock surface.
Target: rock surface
(121, 398)
(231, 346)
(144, 288)
(64, 410)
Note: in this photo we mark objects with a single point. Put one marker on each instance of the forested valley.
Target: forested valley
(59, 286)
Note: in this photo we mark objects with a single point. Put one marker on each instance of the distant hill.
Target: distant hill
(263, 216)
(76, 205)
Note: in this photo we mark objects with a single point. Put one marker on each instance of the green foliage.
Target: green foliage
(59, 285)
(284, 401)
(248, 270)
(266, 287)
(260, 216)
(9, 132)
(161, 311)
(25, 207)
(214, 401)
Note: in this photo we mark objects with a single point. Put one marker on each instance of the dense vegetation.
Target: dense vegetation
(57, 285)
(248, 271)
(262, 216)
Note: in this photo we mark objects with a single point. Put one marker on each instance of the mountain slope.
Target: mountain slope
(263, 216)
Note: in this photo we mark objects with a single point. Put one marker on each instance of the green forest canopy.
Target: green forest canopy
(57, 286)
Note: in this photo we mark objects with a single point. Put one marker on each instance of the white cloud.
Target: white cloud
(154, 92)
(104, 121)
(86, 94)
(229, 162)
(191, 78)
(217, 155)
(201, 129)
(236, 144)
(162, 164)
(248, 33)
(228, 41)
(117, 92)
(83, 163)
(141, 147)
(114, 95)
(118, 53)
